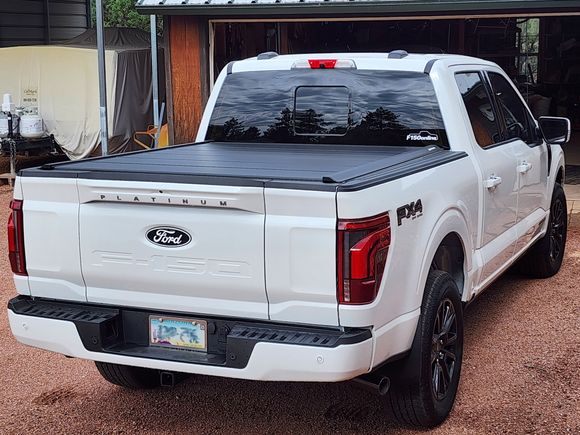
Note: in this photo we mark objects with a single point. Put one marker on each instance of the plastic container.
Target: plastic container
(31, 126)
(4, 125)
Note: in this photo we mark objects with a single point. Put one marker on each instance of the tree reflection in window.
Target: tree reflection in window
(342, 107)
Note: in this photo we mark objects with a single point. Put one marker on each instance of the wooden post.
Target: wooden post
(283, 38)
(461, 37)
(187, 80)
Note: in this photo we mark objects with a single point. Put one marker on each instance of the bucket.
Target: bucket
(31, 126)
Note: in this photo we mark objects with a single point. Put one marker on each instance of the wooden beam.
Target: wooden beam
(461, 37)
(188, 81)
(168, 81)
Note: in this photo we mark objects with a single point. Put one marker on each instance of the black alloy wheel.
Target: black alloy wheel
(557, 229)
(424, 383)
(544, 259)
(443, 349)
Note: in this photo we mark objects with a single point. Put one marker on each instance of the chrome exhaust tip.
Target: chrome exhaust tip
(377, 383)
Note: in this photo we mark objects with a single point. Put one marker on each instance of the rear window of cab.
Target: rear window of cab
(356, 107)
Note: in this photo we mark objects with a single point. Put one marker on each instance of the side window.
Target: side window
(517, 119)
(481, 114)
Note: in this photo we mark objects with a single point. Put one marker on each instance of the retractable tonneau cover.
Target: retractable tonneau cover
(310, 167)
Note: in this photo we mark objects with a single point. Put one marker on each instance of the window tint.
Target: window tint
(321, 110)
(356, 107)
(517, 119)
(481, 114)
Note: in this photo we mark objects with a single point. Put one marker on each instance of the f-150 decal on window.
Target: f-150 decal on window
(422, 135)
(362, 107)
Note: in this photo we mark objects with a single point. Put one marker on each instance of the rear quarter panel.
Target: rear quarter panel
(448, 194)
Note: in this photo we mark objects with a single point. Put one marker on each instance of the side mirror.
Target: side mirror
(555, 130)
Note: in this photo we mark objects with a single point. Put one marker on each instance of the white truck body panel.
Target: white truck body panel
(51, 213)
(224, 258)
(301, 277)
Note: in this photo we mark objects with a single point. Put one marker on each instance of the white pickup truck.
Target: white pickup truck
(332, 220)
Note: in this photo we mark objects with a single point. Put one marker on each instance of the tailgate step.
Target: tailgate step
(320, 338)
(61, 311)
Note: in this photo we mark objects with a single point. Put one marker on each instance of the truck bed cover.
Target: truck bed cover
(294, 166)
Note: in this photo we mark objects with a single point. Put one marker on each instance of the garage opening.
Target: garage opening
(540, 54)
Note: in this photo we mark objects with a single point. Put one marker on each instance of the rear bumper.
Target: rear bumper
(236, 348)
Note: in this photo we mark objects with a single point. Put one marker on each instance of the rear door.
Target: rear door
(531, 158)
(497, 160)
(174, 247)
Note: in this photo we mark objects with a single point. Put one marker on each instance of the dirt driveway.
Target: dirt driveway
(521, 374)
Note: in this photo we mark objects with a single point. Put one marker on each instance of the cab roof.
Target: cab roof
(397, 60)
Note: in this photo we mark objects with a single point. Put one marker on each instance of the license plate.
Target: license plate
(178, 333)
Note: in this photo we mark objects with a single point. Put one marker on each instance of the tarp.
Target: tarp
(117, 38)
(63, 82)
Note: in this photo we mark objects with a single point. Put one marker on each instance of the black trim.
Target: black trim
(429, 65)
(499, 110)
(125, 331)
(267, 55)
(229, 67)
(404, 170)
(377, 165)
(397, 54)
(484, 80)
(258, 165)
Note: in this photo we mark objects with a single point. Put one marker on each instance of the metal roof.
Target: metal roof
(330, 8)
(34, 22)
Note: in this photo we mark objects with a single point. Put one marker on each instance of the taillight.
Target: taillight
(16, 238)
(362, 247)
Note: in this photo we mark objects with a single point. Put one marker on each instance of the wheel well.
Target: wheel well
(560, 176)
(450, 258)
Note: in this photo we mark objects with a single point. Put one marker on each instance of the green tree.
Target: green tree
(122, 13)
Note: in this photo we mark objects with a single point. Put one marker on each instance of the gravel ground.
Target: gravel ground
(521, 374)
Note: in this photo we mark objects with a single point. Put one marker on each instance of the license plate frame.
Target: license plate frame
(181, 333)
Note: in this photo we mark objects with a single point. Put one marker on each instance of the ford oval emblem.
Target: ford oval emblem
(169, 237)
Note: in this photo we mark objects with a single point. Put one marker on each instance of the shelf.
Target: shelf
(498, 55)
(577, 84)
(563, 59)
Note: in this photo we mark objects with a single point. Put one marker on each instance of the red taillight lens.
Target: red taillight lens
(362, 247)
(16, 238)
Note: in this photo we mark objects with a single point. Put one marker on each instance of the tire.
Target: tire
(423, 392)
(133, 378)
(544, 259)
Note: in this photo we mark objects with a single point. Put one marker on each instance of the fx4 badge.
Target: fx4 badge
(412, 211)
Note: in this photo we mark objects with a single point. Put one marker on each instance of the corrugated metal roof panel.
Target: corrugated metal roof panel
(25, 22)
(351, 7)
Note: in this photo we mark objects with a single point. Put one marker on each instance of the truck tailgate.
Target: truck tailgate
(130, 256)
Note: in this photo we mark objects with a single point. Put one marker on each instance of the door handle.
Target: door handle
(524, 167)
(492, 182)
